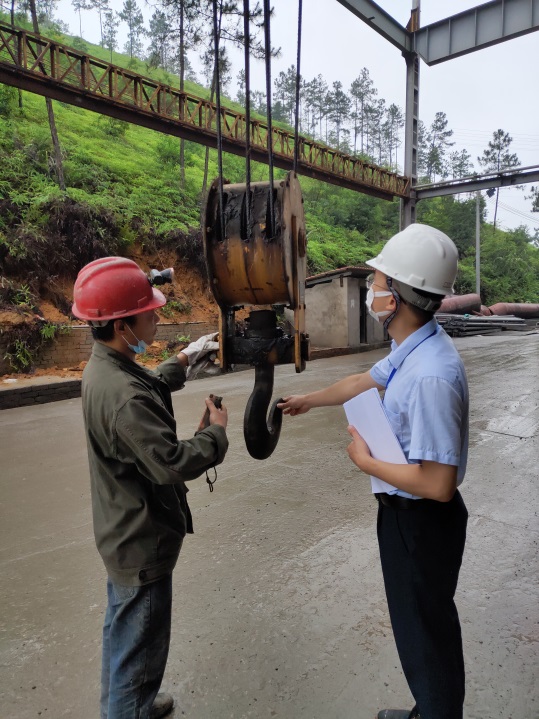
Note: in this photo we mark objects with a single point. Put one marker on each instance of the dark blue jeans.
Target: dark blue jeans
(421, 552)
(136, 638)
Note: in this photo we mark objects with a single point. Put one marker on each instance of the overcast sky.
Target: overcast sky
(480, 92)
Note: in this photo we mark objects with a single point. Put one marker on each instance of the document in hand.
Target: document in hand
(366, 413)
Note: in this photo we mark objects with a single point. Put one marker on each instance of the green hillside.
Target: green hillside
(123, 187)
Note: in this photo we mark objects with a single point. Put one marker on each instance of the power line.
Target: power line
(490, 134)
(514, 211)
(524, 213)
(519, 215)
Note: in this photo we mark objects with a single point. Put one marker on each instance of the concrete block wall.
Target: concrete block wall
(69, 350)
(74, 347)
(39, 393)
(66, 350)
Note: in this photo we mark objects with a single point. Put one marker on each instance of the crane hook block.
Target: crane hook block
(258, 261)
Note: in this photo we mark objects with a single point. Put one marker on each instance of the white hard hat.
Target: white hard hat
(421, 257)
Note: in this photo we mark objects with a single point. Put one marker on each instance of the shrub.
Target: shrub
(68, 234)
(8, 100)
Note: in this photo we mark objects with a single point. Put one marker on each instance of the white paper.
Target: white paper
(366, 413)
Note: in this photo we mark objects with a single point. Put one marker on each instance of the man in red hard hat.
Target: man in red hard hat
(138, 469)
(421, 515)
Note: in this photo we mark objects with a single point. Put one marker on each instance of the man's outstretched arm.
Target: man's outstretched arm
(335, 394)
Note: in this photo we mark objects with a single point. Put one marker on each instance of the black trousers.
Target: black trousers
(421, 552)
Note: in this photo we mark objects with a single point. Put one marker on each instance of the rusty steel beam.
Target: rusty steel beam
(45, 67)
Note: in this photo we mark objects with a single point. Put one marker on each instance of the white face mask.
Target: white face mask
(368, 303)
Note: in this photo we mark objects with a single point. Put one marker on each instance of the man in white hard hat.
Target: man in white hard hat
(422, 518)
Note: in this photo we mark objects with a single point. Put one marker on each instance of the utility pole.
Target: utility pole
(477, 243)
(411, 120)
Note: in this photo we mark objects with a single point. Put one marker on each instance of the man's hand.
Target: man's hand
(217, 416)
(295, 404)
(358, 450)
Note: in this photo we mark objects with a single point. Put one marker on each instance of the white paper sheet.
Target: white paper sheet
(366, 413)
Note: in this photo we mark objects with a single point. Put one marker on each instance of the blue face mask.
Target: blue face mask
(139, 348)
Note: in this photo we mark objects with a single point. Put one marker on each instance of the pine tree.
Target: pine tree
(110, 31)
(534, 197)
(160, 47)
(58, 162)
(377, 118)
(497, 157)
(459, 164)
(185, 13)
(284, 93)
(421, 149)
(393, 123)
(437, 144)
(363, 93)
(132, 16)
(78, 6)
(340, 109)
(316, 98)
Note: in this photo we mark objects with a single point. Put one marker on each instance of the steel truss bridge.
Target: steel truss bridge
(43, 66)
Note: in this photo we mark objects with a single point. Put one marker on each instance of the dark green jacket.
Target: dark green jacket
(138, 465)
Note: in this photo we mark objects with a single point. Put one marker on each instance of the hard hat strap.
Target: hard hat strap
(391, 317)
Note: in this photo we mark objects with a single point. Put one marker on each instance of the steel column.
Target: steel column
(408, 204)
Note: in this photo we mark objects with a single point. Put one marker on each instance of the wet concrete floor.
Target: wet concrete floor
(279, 607)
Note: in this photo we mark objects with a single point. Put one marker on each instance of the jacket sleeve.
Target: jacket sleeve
(145, 434)
(172, 373)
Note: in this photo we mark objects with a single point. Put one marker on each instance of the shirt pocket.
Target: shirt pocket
(396, 423)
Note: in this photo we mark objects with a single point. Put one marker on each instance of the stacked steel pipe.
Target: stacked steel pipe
(462, 315)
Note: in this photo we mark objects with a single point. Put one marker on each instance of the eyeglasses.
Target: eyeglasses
(371, 283)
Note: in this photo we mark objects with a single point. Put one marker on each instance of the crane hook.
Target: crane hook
(261, 434)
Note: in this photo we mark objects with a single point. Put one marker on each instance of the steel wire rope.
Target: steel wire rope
(267, 51)
(247, 41)
(218, 119)
(298, 81)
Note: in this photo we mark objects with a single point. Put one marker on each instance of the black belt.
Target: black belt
(395, 501)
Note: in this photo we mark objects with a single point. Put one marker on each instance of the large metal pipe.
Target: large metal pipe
(517, 309)
(461, 304)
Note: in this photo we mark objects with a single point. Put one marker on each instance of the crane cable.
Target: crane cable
(298, 84)
(247, 41)
(267, 43)
(216, 34)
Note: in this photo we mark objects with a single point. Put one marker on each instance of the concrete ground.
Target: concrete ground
(279, 606)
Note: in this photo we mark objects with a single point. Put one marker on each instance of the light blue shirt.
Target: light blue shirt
(427, 399)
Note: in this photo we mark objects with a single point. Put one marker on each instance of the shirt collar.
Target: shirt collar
(400, 352)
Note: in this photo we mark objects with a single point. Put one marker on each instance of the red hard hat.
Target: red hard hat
(111, 288)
